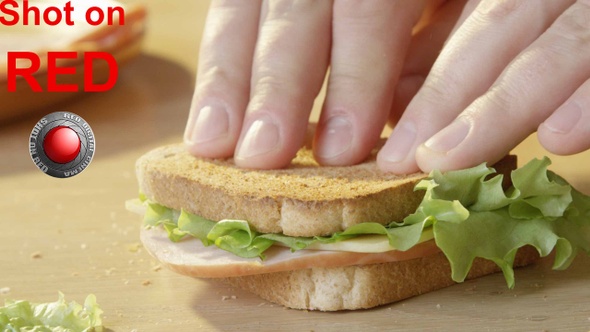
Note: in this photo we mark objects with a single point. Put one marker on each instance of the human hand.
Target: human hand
(511, 67)
(262, 63)
(465, 84)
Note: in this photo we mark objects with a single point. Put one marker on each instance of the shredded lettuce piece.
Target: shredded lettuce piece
(469, 212)
(237, 237)
(59, 316)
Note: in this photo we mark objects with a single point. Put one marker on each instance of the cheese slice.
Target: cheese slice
(364, 243)
(190, 257)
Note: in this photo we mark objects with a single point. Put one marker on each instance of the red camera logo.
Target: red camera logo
(62, 144)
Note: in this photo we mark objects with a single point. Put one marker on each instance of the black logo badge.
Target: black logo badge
(62, 144)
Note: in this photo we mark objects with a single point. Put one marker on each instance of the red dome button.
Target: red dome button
(61, 144)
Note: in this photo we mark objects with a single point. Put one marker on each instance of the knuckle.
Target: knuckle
(216, 79)
(533, 67)
(353, 9)
(503, 101)
(574, 24)
(354, 12)
(355, 79)
(495, 10)
(268, 86)
(281, 9)
(438, 89)
(212, 75)
(225, 4)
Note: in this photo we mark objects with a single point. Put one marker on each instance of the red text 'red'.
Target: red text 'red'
(27, 72)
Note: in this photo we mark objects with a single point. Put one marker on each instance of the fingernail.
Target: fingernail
(450, 137)
(211, 124)
(564, 119)
(400, 143)
(336, 137)
(262, 137)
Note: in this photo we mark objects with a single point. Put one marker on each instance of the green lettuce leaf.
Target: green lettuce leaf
(539, 210)
(237, 237)
(59, 316)
(468, 212)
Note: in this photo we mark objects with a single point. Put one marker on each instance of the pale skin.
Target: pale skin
(463, 81)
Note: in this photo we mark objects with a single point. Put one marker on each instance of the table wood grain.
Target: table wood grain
(74, 235)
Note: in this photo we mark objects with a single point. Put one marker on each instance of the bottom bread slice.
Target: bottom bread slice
(365, 286)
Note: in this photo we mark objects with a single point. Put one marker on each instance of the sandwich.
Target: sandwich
(344, 238)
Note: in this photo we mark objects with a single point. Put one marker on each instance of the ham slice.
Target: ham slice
(190, 257)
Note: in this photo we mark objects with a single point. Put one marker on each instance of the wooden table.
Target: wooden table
(75, 236)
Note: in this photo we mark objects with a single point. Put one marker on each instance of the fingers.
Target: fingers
(464, 71)
(424, 48)
(537, 82)
(223, 78)
(289, 65)
(369, 43)
(567, 130)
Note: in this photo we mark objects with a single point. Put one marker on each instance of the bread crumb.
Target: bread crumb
(4, 290)
(538, 318)
(224, 297)
(471, 289)
(36, 255)
(75, 274)
(133, 247)
(156, 268)
(438, 306)
(110, 271)
(83, 246)
(146, 283)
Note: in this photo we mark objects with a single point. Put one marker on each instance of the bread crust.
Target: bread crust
(365, 286)
(302, 200)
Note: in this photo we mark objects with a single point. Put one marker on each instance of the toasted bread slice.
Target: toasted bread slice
(364, 286)
(302, 200)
